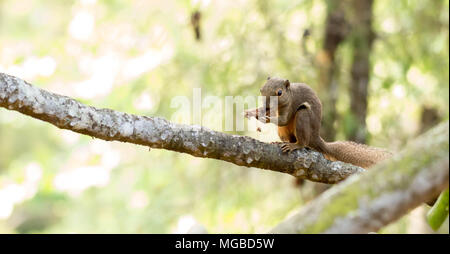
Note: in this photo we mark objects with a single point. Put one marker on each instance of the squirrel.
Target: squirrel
(298, 114)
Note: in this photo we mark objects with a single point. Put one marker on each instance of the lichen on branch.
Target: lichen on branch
(366, 202)
(67, 113)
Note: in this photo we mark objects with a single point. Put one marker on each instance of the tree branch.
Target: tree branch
(366, 202)
(155, 132)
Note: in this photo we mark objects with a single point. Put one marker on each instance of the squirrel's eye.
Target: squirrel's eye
(280, 92)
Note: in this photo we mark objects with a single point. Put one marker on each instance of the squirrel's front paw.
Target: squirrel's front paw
(251, 113)
(263, 119)
(289, 147)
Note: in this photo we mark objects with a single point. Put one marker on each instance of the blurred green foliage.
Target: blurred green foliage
(136, 56)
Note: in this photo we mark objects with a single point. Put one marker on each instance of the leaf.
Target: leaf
(439, 212)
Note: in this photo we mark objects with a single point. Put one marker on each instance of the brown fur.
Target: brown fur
(299, 119)
(357, 154)
(286, 133)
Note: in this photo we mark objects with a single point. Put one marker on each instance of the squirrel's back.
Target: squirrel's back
(304, 93)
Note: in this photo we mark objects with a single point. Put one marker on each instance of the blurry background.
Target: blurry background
(380, 67)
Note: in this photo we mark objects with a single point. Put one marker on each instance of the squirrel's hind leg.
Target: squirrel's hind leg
(301, 130)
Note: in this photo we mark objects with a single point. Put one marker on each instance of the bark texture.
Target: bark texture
(366, 202)
(155, 132)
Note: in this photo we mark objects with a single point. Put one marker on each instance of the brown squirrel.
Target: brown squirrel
(298, 115)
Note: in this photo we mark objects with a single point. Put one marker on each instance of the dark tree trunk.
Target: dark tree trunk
(362, 38)
(336, 29)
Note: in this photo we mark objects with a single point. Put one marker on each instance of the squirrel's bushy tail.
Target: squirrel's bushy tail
(357, 154)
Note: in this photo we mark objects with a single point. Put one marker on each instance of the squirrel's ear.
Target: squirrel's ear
(268, 78)
(287, 83)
